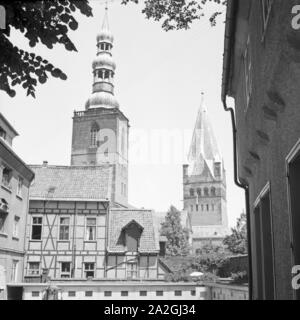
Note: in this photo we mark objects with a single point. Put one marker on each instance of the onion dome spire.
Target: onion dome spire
(103, 70)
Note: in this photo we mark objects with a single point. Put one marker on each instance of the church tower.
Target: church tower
(204, 185)
(100, 133)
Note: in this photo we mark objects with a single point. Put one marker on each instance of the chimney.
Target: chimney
(45, 164)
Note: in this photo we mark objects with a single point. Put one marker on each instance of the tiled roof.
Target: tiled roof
(75, 182)
(119, 218)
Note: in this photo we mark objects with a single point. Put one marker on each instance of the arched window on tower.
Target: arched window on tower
(192, 192)
(199, 192)
(94, 134)
(206, 192)
(213, 191)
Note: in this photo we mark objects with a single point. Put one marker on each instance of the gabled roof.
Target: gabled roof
(71, 182)
(120, 218)
(204, 149)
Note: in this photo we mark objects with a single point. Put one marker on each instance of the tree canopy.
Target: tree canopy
(177, 236)
(178, 14)
(236, 242)
(45, 22)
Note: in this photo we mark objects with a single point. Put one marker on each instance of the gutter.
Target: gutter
(229, 40)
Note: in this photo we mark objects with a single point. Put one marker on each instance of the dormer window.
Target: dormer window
(132, 234)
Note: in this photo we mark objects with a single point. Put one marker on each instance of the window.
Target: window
(202, 207)
(248, 73)
(124, 293)
(159, 293)
(213, 191)
(143, 293)
(293, 174)
(264, 246)
(107, 293)
(14, 271)
(89, 293)
(207, 207)
(72, 294)
(64, 228)
(132, 270)
(34, 268)
(6, 177)
(206, 192)
(90, 234)
(2, 133)
(94, 134)
(199, 192)
(192, 192)
(36, 232)
(3, 216)
(35, 293)
(197, 207)
(20, 187)
(193, 293)
(217, 169)
(178, 293)
(89, 270)
(266, 10)
(65, 270)
(16, 227)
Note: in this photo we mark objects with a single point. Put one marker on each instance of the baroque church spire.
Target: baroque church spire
(204, 152)
(103, 70)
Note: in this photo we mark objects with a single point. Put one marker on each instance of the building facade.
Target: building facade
(15, 179)
(262, 74)
(204, 186)
(74, 234)
(100, 133)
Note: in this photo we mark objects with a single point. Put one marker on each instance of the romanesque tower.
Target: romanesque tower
(204, 185)
(100, 133)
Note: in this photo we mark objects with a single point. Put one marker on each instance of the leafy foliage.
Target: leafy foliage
(236, 242)
(46, 22)
(178, 14)
(177, 235)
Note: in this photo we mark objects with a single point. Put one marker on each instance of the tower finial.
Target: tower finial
(105, 24)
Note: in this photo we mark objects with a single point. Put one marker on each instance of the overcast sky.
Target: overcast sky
(159, 79)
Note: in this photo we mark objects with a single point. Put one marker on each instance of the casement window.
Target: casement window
(33, 268)
(89, 270)
(64, 228)
(264, 245)
(266, 6)
(14, 271)
(65, 269)
(132, 270)
(6, 177)
(16, 227)
(90, 232)
(37, 226)
(20, 187)
(248, 73)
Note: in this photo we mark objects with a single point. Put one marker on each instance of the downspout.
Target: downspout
(246, 189)
(229, 41)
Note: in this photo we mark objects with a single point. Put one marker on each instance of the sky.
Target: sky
(158, 83)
